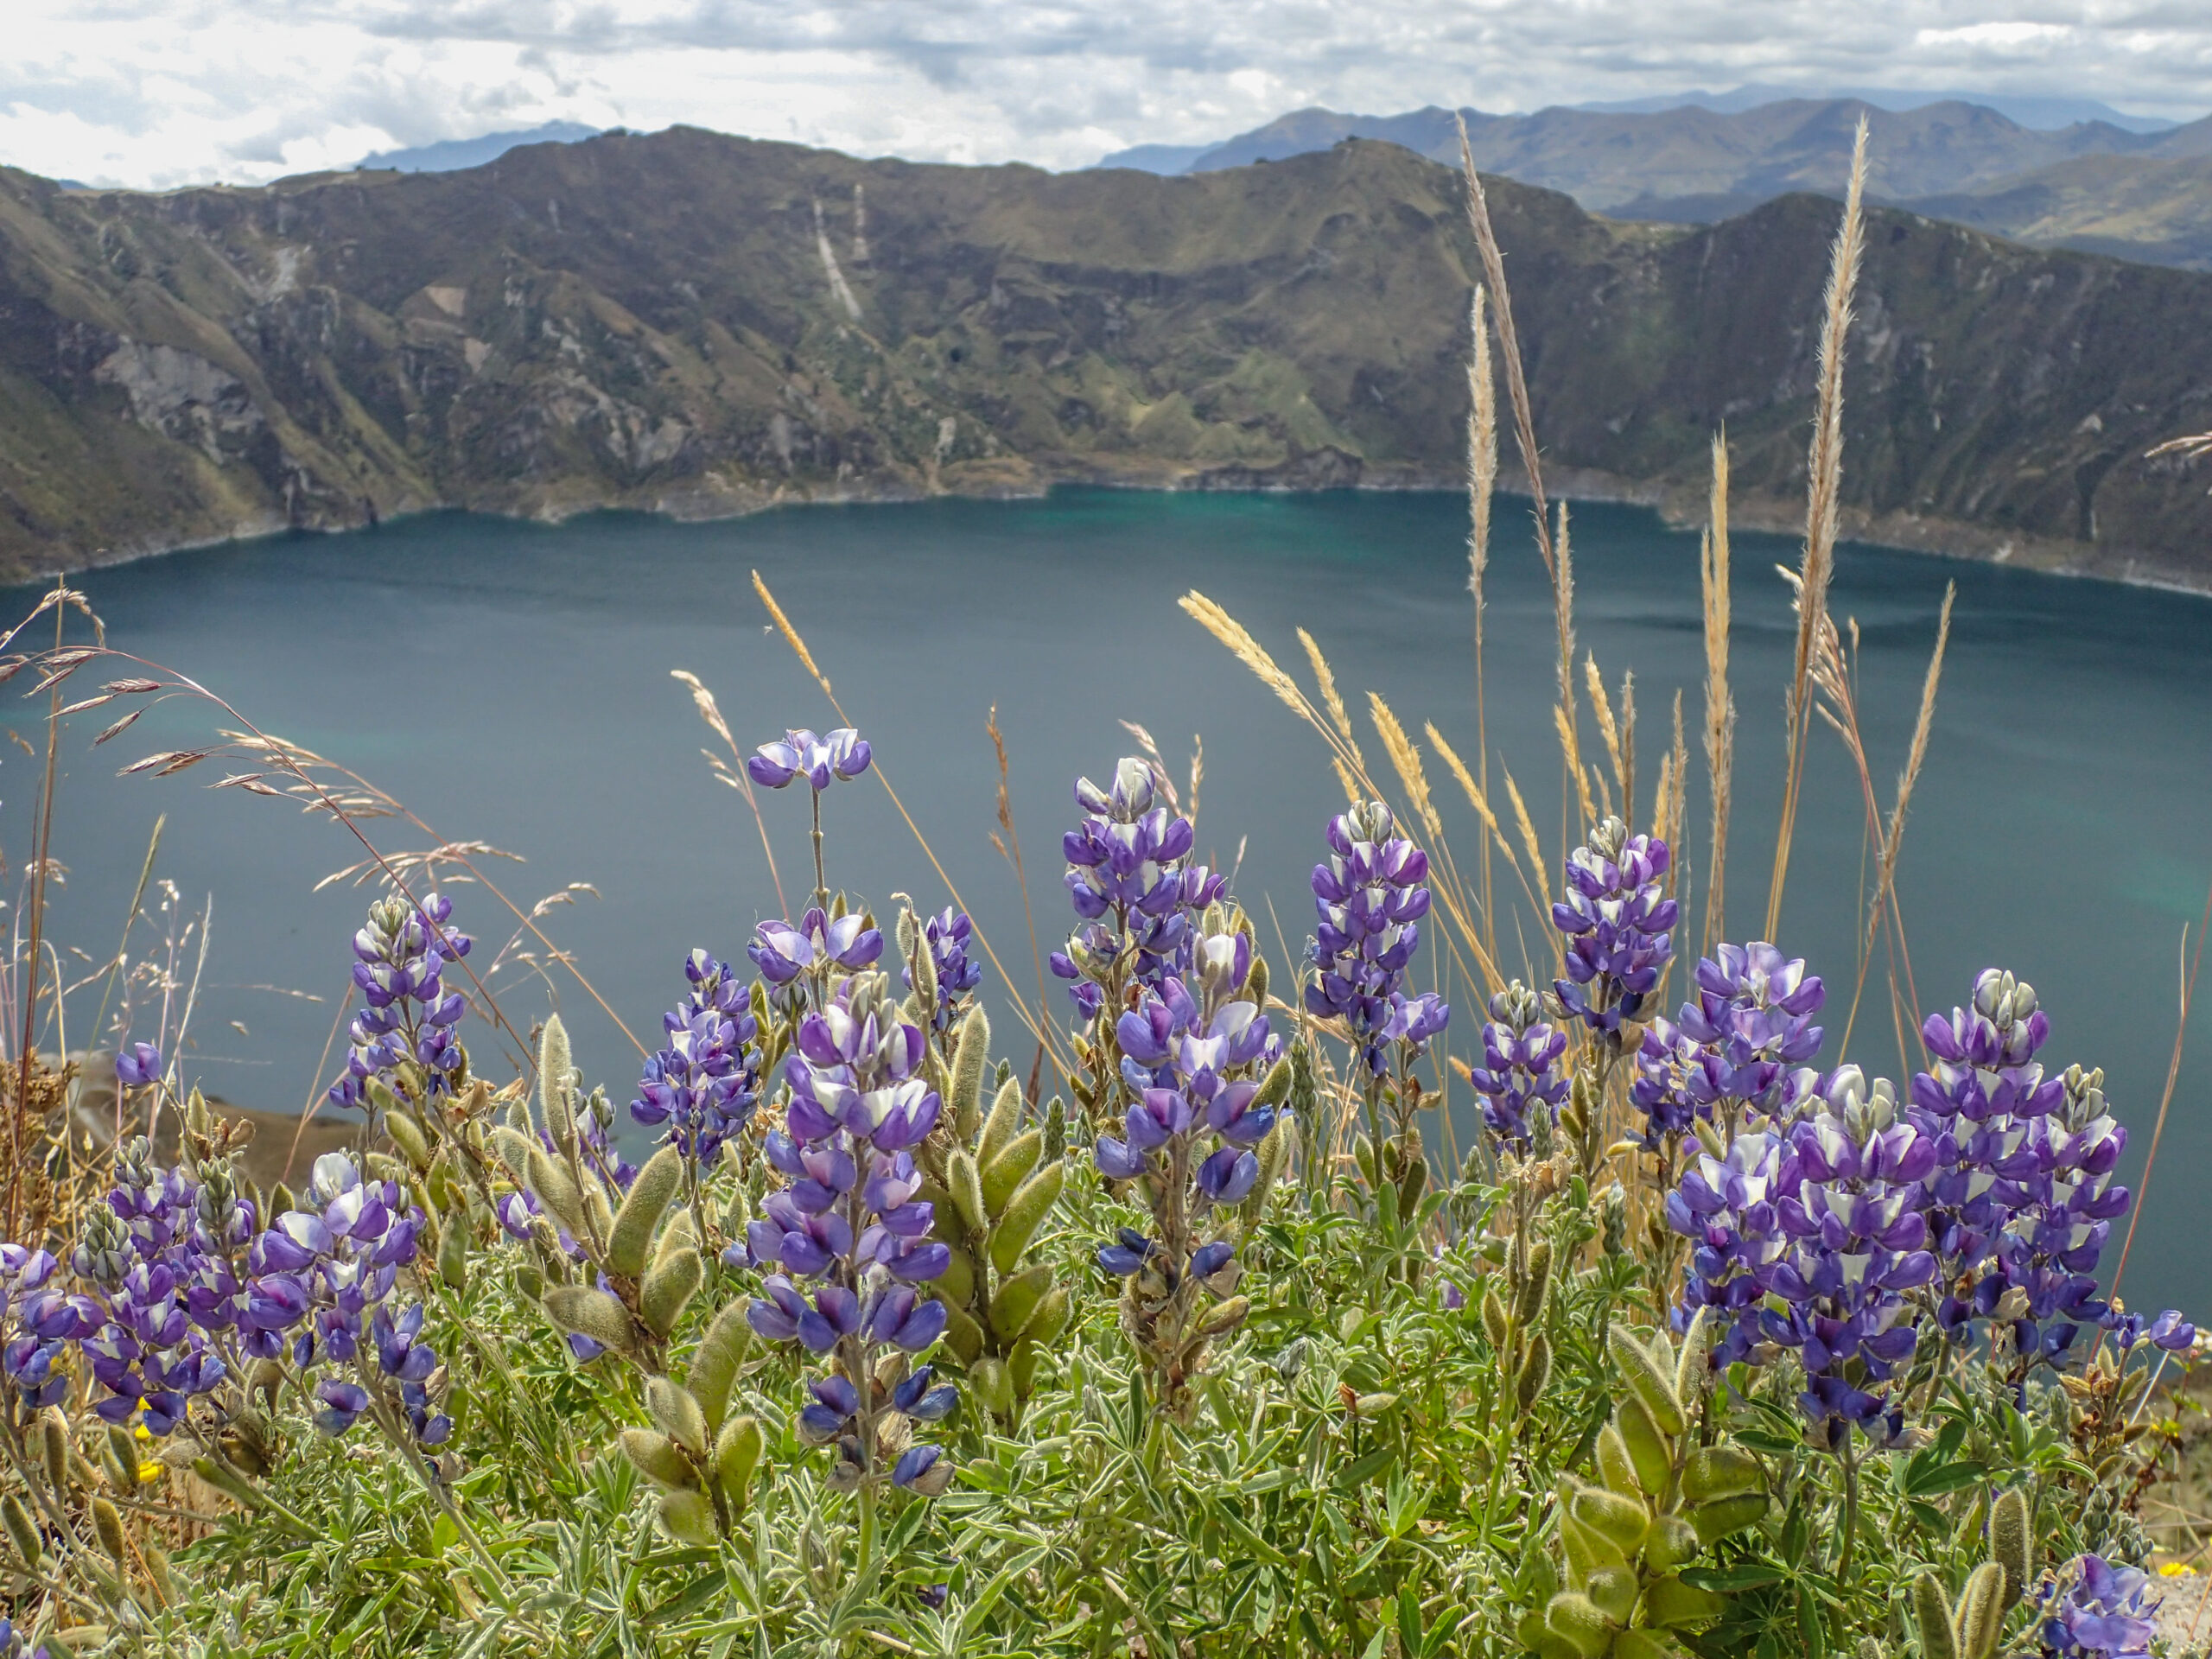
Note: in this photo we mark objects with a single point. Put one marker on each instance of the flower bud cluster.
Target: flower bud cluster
(703, 1084)
(1370, 897)
(945, 935)
(1130, 880)
(409, 1014)
(1619, 927)
(1734, 1048)
(1521, 1071)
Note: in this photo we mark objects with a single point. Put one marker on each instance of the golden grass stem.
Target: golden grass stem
(1719, 700)
(1482, 487)
(1823, 489)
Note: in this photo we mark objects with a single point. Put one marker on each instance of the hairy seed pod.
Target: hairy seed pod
(1577, 1621)
(558, 1194)
(1016, 1303)
(1649, 1449)
(21, 1532)
(1226, 1316)
(1693, 1367)
(1670, 1605)
(962, 1334)
(715, 1362)
(658, 1458)
(556, 1084)
(688, 1517)
(53, 1444)
(1724, 1516)
(512, 1147)
(992, 1384)
(1535, 1286)
(281, 1201)
(1615, 1467)
(970, 1054)
(1008, 1167)
(668, 1290)
(2011, 1545)
(122, 1470)
(1613, 1590)
(1621, 1518)
(1495, 1325)
(1024, 1213)
(407, 1135)
(107, 1522)
(592, 1313)
(1978, 1618)
(157, 1567)
(1051, 1317)
(737, 1454)
(1642, 1644)
(1719, 1471)
(1003, 1124)
(1653, 1383)
(630, 1240)
(452, 1248)
(1535, 1372)
(966, 1187)
(670, 1405)
(1938, 1640)
(1673, 1543)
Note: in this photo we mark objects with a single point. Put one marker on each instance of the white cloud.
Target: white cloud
(161, 93)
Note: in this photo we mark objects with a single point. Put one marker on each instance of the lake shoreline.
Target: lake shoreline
(1681, 506)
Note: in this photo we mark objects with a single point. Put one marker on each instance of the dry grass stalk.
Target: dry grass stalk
(1824, 484)
(1528, 840)
(1325, 677)
(1719, 700)
(1608, 729)
(1482, 487)
(1479, 799)
(731, 772)
(1405, 761)
(1893, 834)
(1570, 730)
(1008, 841)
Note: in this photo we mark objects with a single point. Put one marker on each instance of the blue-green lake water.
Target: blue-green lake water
(511, 683)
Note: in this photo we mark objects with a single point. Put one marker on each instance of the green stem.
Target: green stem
(821, 885)
(1850, 1509)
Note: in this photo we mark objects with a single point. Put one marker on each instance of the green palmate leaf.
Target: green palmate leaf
(1938, 1478)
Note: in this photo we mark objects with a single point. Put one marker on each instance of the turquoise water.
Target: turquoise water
(511, 683)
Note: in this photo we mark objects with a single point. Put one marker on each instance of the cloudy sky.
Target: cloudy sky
(159, 93)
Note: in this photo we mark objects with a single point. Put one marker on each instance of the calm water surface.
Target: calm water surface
(511, 683)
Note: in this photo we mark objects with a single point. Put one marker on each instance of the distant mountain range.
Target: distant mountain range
(2091, 184)
(2042, 113)
(451, 155)
(700, 326)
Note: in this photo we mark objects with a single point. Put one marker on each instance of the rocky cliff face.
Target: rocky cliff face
(701, 325)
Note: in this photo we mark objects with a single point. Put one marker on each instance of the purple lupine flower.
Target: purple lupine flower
(404, 1358)
(1190, 1060)
(1618, 924)
(945, 935)
(2021, 1202)
(850, 1215)
(2097, 1610)
(408, 1014)
(137, 1065)
(347, 1250)
(1370, 897)
(1735, 1047)
(783, 952)
(842, 753)
(2168, 1331)
(1521, 1071)
(704, 1082)
(1857, 1244)
(1727, 1208)
(1131, 881)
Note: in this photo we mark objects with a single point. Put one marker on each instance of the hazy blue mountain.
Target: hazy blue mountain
(2038, 114)
(452, 154)
(1165, 159)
